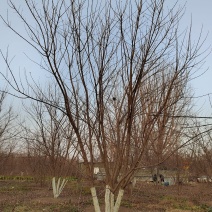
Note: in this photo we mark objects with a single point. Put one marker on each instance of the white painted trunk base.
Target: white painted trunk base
(110, 204)
(110, 199)
(95, 200)
(118, 200)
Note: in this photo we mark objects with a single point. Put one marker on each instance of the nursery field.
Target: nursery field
(27, 196)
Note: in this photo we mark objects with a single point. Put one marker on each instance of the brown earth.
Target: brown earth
(23, 196)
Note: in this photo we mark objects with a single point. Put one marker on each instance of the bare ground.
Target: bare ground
(23, 196)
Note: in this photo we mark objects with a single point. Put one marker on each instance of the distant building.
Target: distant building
(146, 175)
(142, 175)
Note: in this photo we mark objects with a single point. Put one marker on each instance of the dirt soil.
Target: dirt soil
(23, 196)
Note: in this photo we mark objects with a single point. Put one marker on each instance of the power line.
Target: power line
(191, 117)
(184, 116)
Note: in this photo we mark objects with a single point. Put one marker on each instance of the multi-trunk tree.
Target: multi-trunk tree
(106, 59)
(50, 144)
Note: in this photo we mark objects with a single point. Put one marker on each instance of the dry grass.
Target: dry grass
(21, 196)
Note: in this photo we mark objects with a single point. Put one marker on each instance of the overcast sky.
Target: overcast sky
(199, 10)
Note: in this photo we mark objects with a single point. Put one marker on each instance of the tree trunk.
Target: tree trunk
(118, 200)
(95, 200)
(109, 200)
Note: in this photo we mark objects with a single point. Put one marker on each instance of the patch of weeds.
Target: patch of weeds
(180, 204)
(11, 187)
(183, 204)
(88, 202)
(4, 189)
(73, 185)
(205, 207)
(16, 178)
(19, 188)
(167, 200)
(86, 190)
(7, 208)
(61, 207)
(68, 208)
(7, 189)
(126, 203)
(2, 177)
(71, 178)
(187, 205)
(21, 209)
(75, 188)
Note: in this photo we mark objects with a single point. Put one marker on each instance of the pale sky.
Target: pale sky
(199, 10)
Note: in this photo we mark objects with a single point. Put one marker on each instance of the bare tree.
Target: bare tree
(167, 132)
(8, 131)
(49, 138)
(101, 56)
(202, 151)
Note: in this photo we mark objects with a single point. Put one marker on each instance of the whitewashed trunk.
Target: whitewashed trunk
(110, 205)
(95, 200)
(118, 200)
(109, 200)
